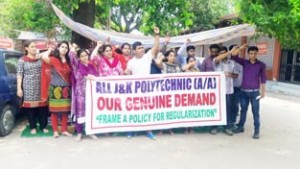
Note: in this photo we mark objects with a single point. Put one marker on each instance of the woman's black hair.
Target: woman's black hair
(56, 51)
(104, 47)
(26, 45)
(169, 52)
(81, 51)
(189, 57)
(125, 44)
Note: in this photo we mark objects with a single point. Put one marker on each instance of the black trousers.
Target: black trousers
(37, 113)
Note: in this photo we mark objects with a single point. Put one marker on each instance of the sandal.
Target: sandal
(45, 131)
(33, 131)
(65, 133)
(55, 134)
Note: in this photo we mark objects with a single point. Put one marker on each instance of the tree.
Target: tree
(27, 15)
(170, 15)
(38, 16)
(279, 19)
(85, 14)
(126, 16)
(208, 12)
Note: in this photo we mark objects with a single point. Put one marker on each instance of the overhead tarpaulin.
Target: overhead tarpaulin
(201, 38)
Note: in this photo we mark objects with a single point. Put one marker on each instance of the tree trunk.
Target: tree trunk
(85, 14)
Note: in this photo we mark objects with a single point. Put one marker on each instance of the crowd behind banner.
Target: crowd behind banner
(55, 81)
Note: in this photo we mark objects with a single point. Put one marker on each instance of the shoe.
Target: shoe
(171, 132)
(93, 136)
(255, 136)
(238, 130)
(234, 127)
(213, 131)
(79, 137)
(151, 136)
(228, 132)
(129, 135)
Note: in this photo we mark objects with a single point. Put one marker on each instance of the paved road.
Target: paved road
(278, 148)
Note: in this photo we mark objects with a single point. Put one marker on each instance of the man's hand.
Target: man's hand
(188, 40)
(99, 43)
(263, 94)
(167, 39)
(244, 46)
(156, 30)
(107, 40)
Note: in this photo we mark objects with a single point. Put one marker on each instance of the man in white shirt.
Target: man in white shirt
(226, 65)
(140, 64)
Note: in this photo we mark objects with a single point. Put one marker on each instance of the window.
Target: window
(11, 62)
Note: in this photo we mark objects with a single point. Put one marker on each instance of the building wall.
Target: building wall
(267, 58)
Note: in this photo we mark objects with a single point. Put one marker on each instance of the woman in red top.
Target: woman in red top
(60, 85)
(123, 54)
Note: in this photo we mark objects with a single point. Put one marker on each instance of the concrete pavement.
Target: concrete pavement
(278, 147)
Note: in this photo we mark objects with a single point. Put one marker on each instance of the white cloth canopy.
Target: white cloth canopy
(200, 38)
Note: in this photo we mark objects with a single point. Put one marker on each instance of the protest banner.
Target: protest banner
(141, 103)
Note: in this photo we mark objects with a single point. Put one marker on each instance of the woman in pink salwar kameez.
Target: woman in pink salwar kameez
(107, 64)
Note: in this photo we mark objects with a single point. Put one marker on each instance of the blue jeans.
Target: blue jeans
(235, 104)
(246, 98)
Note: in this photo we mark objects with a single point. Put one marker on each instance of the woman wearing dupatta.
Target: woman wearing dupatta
(31, 87)
(81, 69)
(123, 54)
(107, 64)
(59, 90)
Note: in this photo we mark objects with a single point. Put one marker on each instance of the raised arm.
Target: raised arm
(220, 57)
(181, 57)
(95, 51)
(155, 48)
(159, 60)
(72, 54)
(45, 56)
(182, 48)
(237, 50)
(165, 46)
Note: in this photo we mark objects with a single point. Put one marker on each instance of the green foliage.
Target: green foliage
(276, 18)
(208, 12)
(171, 16)
(27, 15)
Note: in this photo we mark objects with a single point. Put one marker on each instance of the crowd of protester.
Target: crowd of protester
(61, 73)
